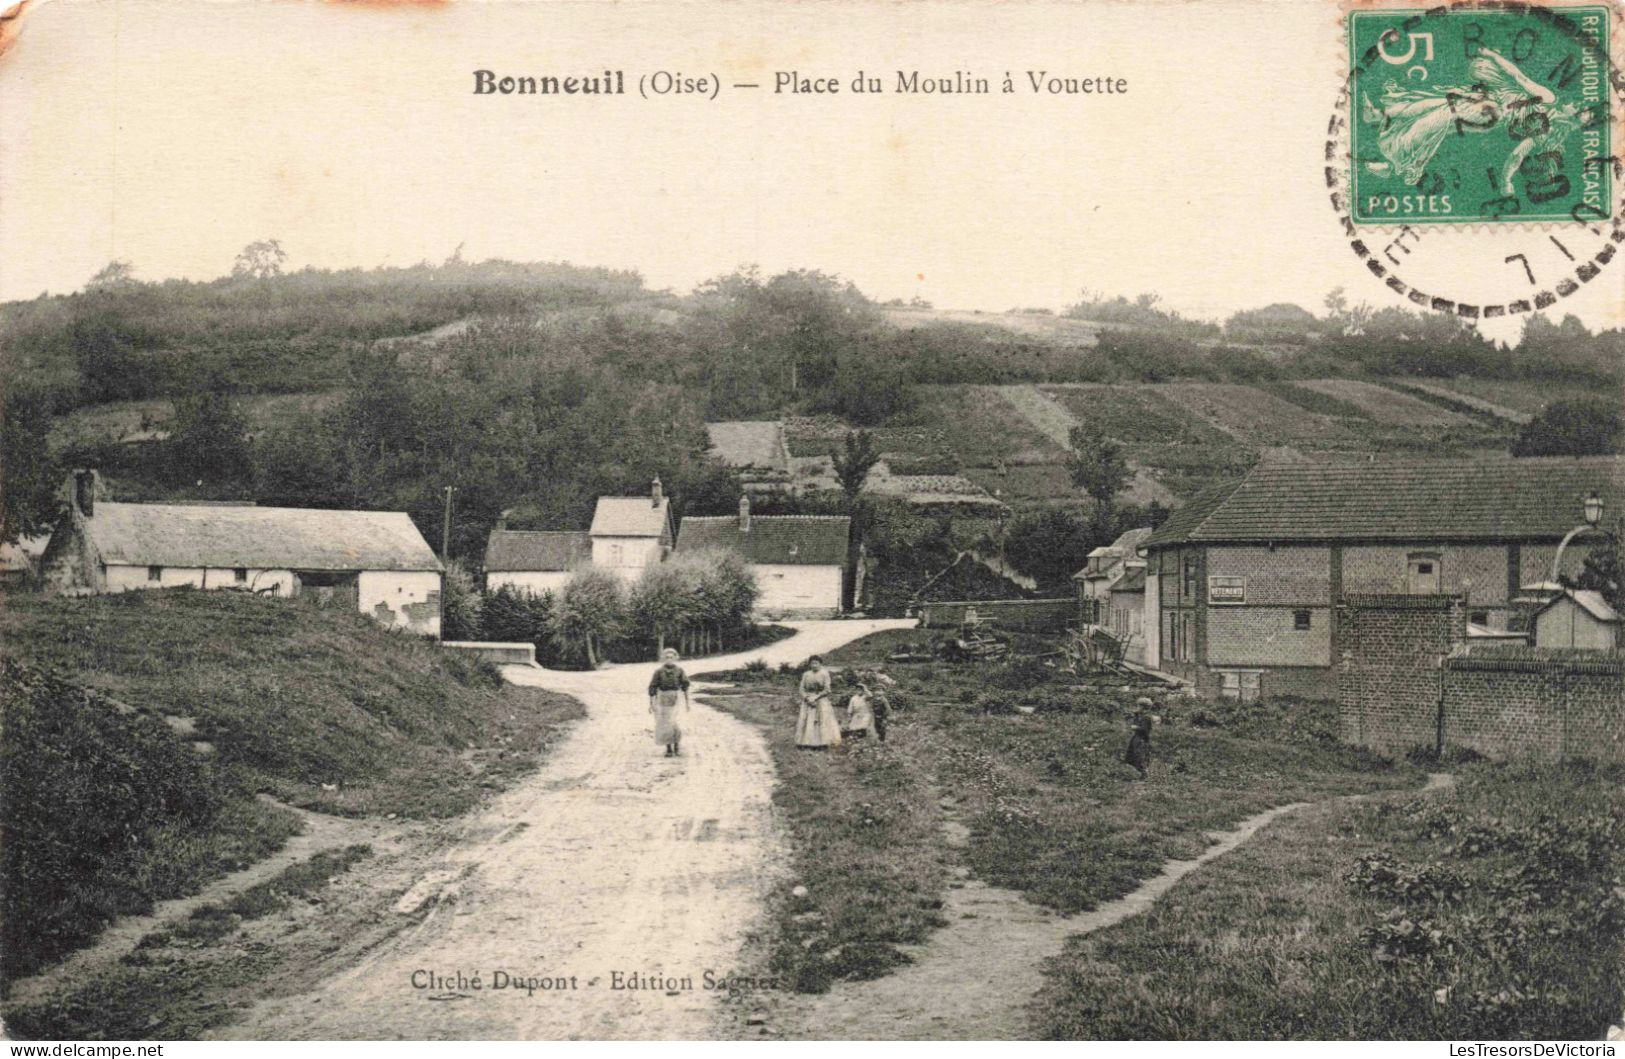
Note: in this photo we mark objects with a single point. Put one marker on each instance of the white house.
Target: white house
(375, 561)
(798, 560)
(1578, 618)
(535, 561)
(631, 533)
(1108, 565)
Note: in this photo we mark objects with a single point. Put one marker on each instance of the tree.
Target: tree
(112, 275)
(853, 463)
(1580, 426)
(589, 612)
(259, 260)
(1604, 568)
(727, 594)
(852, 466)
(209, 444)
(1098, 466)
(1049, 545)
(28, 473)
(663, 602)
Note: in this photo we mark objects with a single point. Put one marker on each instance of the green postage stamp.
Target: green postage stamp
(1481, 113)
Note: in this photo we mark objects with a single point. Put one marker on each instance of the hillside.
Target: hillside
(321, 708)
(546, 386)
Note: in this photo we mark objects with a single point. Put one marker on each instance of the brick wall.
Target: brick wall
(1546, 704)
(1388, 679)
(1407, 678)
(1284, 575)
(1267, 636)
(1477, 571)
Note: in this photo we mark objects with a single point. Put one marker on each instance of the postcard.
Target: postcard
(837, 520)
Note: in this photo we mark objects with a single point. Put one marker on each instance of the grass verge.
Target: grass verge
(866, 843)
(161, 990)
(1034, 769)
(1492, 910)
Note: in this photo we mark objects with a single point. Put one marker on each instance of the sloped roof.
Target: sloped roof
(1490, 499)
(1133, 581)
(277, 538)
(1588, 600)
(1129, 541)
(790, 540)
(630, 516)
(511, 551)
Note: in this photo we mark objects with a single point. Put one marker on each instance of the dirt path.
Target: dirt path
(611, 859)
(1055, 421)
(974, 978)
(321, 832)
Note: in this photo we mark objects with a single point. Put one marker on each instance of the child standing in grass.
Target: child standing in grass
(1139, 747)
(860, 714)
(665, 686)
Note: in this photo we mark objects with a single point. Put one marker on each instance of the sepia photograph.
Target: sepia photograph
(781, 520)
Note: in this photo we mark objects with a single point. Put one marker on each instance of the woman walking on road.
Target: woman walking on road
(816, 726)
(664, 687)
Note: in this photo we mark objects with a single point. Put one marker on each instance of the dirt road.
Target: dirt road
(611, 866)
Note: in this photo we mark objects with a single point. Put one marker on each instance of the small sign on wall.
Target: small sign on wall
(1227, 589)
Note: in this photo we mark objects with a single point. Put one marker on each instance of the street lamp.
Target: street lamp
(1592, 506)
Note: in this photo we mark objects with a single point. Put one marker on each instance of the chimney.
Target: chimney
(84, 492)
(654, 493)
(744, 514)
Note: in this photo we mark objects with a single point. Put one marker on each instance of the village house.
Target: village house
(374, 561)
(1106, 566)
(1244, 579)
(535, 561)
(632, 533)
(798, 561)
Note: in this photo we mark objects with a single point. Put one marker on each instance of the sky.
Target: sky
(170, 133)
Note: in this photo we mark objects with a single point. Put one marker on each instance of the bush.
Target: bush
(459, 604)
(1583, 426)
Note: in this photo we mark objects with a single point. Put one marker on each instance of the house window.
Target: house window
(155, 573)
(240, 575)
(1422, 573)
(615, 555)
(1300, 620)
(1185, 637)
(1190, 579)
(1170, 643)
(1479, 617)
(1242, 685)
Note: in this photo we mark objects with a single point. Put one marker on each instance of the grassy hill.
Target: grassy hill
(138, 728)
(322, 708)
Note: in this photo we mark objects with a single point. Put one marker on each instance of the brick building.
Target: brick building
(1244, 580)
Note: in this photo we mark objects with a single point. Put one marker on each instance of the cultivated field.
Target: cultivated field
(1385, 405)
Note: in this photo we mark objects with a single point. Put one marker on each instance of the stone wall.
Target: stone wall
(1052, 614)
